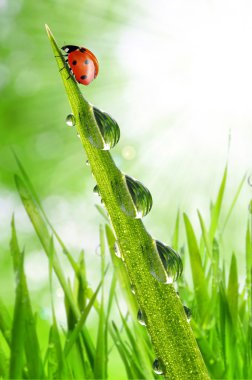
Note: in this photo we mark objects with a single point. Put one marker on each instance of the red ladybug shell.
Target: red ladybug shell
(83, 63)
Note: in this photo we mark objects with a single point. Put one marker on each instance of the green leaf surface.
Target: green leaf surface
(233, 291)
(5, 322)
(32, 349)
(200, 285)
(216, 208)
(137, 246)
(40, 227)
(18, 326)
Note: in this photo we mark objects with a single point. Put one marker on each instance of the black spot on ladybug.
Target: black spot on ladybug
(86, 62)
(74, 62)
(82, 50)
(84, 77)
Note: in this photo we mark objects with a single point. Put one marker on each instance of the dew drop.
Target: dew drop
(78, 135)
(171, 261)
(157, 368)
(133, 288)
(70, 120)
(96, 190)
(108, 127)
(141, 317)
(117, 251)
(87, 163)
(188, 313)
(140, 196)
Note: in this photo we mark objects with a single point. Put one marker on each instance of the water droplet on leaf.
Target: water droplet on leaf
(133, 289)
(70, 120)
(157, 368)
(140, 196)
(141, 317)
(171, 261)
(188, 313)
(108, 127)
(117, 251)
(96, 189)
(87, 163)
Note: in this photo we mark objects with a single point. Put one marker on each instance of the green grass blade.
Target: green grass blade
(81, 283)
(35, 198)
(139, 354)
(120, 271)
(102, 212)
(123, 353)
(228, 336)
(205, 235)
(55, 358)
(18, 326)
(237, 194)
(4, 365)
(233, 291)
(175, 239)
(78, 327)
(101, 355)
(200, 285)
(216, 208)
(32, 349)
(45, 239)
(5, 322)
(27, 181)
(111, 296)
(249, 267)
(141, 257)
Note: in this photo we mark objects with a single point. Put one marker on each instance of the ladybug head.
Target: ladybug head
(69, 48)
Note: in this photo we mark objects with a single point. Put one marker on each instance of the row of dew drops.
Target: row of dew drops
(142, 201)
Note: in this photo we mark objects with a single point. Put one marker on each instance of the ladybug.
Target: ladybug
(83, 63)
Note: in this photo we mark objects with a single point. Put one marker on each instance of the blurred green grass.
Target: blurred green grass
(32, 106)
(34, 347)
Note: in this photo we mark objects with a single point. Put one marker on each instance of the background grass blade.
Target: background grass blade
(31, 343)
(78, 327)
(5, 323)
(233, 291)
(216, 208)
(200, 285)
(175, 239)
(44, 237)
(100, 362)
(205, 235)
(18, 326)
(231, 208)
(4, 365)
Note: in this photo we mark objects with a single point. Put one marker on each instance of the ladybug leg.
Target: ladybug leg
(64, 66)
(71, 74)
